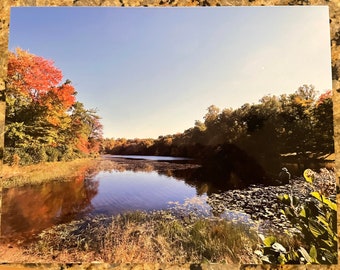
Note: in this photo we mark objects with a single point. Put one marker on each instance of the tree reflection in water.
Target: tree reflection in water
(29, 209)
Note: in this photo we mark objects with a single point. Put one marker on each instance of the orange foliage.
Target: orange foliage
(31, 74)
(65, 95)
(39, 79)
(94, 146)
(83, 145)
(55, 121)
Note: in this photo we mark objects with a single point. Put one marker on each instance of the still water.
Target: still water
(126, 184)
(119, 184)
(121, 191)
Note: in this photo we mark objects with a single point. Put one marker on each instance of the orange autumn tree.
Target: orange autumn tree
(39, 108)
(86, 129)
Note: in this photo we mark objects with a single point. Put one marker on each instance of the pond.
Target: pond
(122, 191)
(125, 183)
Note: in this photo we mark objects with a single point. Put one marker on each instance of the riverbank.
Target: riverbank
(15, 176)
(172, 236)
(139, 237)
(178, 235)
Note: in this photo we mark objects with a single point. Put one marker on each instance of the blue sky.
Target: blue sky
(154, 71)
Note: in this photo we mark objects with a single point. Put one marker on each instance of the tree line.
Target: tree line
(44, 120)
(298, 125)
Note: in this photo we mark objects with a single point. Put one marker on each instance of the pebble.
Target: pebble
(261, 203)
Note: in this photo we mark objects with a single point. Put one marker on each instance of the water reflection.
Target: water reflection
(207, 181)
(204, 180)
(122, 191)
(28, 210)
(114, 186)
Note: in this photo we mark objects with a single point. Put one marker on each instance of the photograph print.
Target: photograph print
(169, 135)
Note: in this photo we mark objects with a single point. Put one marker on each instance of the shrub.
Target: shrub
(37, 153)
(12, 155)
(53, 154)
(315, 219)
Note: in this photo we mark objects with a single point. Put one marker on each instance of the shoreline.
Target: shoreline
(35, 174)
(257, 201)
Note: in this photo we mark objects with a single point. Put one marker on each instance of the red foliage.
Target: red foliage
(31, 74)
(39, 79)
(324, 96)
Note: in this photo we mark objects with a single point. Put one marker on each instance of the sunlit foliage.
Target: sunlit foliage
(298, 124)
(44, 121)
(315, 218)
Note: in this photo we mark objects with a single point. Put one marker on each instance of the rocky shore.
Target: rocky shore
(261, 203)
(257, 204)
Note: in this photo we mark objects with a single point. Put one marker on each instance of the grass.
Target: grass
(134, 237)
(14, 176)
(140, 237)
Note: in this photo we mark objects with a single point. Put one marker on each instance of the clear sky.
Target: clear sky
(154, 71)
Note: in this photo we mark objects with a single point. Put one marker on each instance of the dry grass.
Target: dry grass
(13, 176)
(140, 237)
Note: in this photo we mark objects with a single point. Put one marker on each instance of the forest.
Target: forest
(296, 126)
(46, 122)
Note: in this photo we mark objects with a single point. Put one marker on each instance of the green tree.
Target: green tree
(323, 128)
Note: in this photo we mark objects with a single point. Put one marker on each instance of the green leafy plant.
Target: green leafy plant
(315, 218)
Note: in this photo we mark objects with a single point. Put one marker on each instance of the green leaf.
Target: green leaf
(326, 225)
(303, 212)
(330, 204)
(288, 212)
(324, 200)
(282, 259)
(313, 253)
(327, 256)
(322, 220)
(308, 175)
(329, 243)
(316, 195)
(315, 228)
(285, 198)
(269, 241)
(293, 256)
